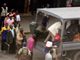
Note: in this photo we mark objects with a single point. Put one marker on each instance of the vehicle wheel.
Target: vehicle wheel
(76, 56)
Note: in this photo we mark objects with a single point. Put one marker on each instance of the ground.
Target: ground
(38, 50)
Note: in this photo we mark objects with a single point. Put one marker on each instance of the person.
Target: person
(48, 46)
(19, 39)
(0, 23)
(24, 52)
(45, 18)
(34, 6)
(16, 27)
(11, 39)
(4, 31)
(48, 56)
(13, 13)
(53, 30)
(3, 12)
(17, 17)
(10, 20)
(30, 45)
(6, 18)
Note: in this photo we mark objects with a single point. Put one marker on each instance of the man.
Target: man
(13, 13)
(48, 56)
(19, 40)
(0, 23)
(17, 17)
(3, 12)
(30, 45)
(10, 20)
(45, 18)
(4, 36)
(11, 39)
(24, 52)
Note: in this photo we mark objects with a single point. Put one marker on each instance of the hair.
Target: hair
(51, 51)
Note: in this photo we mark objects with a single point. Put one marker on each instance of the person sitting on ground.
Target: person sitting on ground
(24, 52)
(48, 56)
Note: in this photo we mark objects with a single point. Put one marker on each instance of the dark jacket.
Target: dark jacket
(10, 37)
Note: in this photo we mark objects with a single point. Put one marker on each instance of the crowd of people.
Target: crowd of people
(13, 37)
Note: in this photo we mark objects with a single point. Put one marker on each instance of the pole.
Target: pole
(28, 6)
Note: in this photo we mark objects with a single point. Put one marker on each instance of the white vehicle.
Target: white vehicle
(67, 50)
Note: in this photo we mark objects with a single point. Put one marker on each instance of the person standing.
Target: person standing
(24, 52)
(10, 20)
(3, 12)
(11, 39)
(6, 18)
(13, 13)
(30, 45)
(48, 56)
(18, 19)
(4, 31)
(45, 18)
(0, 23)
(19, 40)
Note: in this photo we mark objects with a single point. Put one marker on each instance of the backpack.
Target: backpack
(24, 54)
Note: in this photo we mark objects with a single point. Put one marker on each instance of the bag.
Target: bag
(24, 54)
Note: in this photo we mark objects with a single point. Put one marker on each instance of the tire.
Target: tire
(76, 56)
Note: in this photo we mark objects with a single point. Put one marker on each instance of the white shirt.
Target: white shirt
(18, 18)
(12, 31)
(48, 56)
(10, 21)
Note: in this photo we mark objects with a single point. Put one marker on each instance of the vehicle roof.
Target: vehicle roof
(62, 13)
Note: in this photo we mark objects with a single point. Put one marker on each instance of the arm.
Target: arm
(7, 36)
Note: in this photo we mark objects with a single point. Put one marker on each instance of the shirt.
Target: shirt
(4, 32)
(12, 31)
(18, 18)
(48, 56)
(20, 51)
(10, 21)
(30, 45)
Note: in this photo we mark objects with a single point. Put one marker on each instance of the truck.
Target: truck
(69, 50)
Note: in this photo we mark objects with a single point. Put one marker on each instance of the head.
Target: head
(17, 12)
(51, 51)
(10, 16)
(12, 10)
(21, 30)
(7, 14)
(47, 5)
(6, 25)
(11, 27)
(4, 5)
(15, 24)
(24, 44)
(34, 36)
